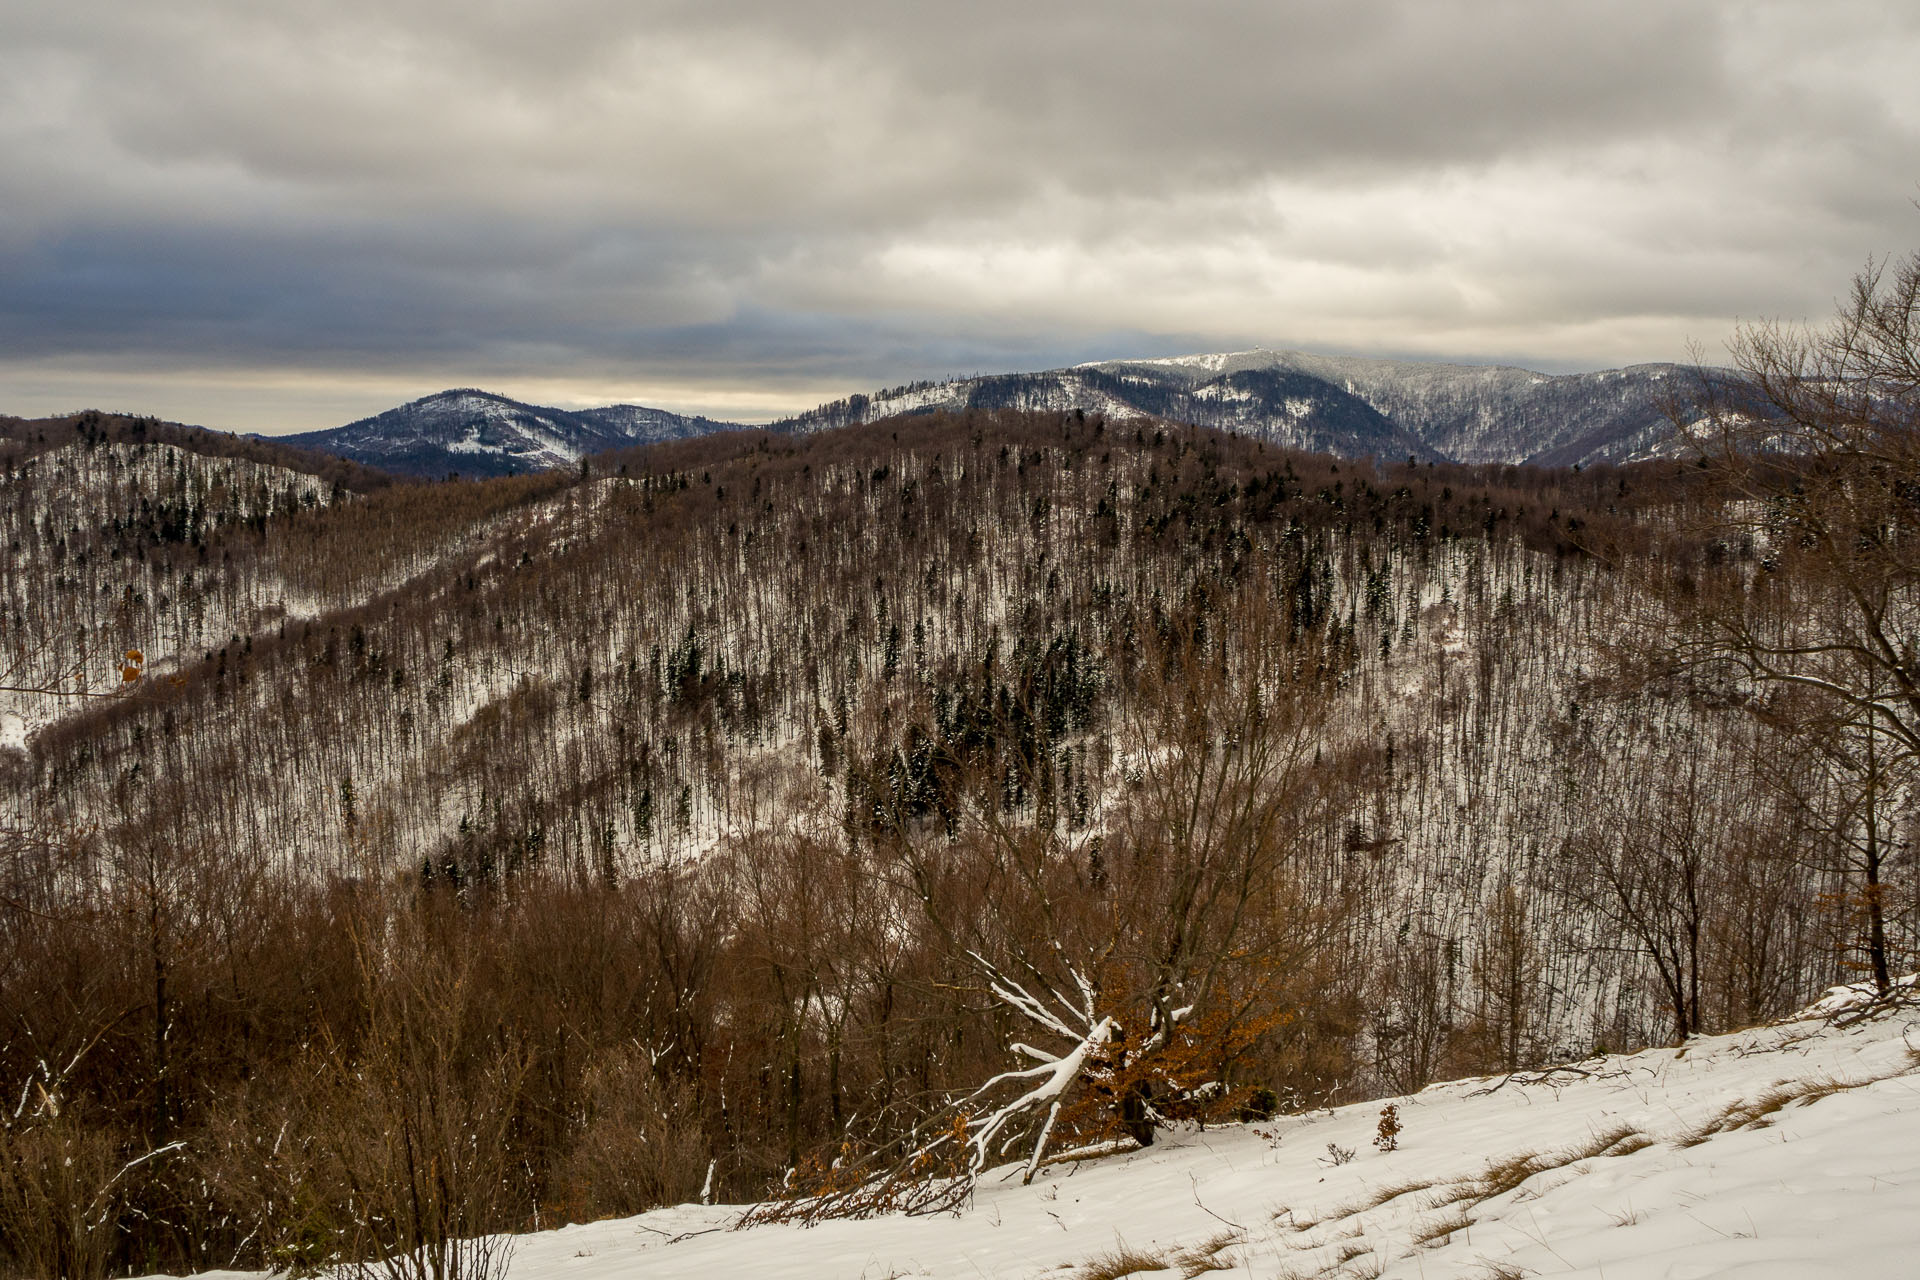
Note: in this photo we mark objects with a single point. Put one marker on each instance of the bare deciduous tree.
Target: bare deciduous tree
(1815, 447)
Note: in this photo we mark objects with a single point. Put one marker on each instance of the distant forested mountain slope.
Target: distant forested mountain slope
(25, 438)
(127, 534)
(1482, 413)
(1349, 406)
(479, 434)
(1282, 406)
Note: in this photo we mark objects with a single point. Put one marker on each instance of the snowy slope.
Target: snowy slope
(1786, 1151)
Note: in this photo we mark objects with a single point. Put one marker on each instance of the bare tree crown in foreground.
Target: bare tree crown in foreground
(1815, 445)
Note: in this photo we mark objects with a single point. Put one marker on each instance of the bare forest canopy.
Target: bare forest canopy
(713, 819)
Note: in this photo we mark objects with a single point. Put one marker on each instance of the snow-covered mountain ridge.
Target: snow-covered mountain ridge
(1285, 406)
(1483, 413)
(1344, 405)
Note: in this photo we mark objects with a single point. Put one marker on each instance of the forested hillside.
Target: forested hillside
(709, 820)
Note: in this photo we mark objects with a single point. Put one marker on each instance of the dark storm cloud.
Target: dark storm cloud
(724, 204)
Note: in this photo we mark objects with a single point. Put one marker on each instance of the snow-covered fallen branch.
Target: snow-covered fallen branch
(948, 1155)
(1553, 1077)
(1858, 1001)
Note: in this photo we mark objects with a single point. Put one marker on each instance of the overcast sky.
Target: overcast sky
(268, 216)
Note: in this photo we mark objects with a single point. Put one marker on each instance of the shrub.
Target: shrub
(1387, 1137)
(58, 1184)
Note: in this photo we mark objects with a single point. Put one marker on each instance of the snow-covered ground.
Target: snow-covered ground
(1791, 1151)
(1786, 1151)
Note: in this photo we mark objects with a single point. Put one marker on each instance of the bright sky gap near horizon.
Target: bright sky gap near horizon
(268, 217)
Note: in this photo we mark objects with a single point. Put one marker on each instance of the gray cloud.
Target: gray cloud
(744, 204)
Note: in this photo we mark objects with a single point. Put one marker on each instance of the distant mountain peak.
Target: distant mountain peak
(482, 433)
